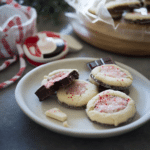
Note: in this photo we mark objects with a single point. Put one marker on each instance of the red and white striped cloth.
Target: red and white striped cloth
(10, 61)
(14, 32)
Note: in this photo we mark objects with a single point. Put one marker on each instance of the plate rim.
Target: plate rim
(73, 132)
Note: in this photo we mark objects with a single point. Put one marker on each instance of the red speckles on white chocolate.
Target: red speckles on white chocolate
(57, 77)
(113, 71)
(110, 104)
(77, 88)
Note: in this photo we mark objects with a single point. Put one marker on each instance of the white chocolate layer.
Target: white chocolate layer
(57, 114)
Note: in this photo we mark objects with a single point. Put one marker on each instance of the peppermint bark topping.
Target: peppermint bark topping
(110, 104)
(77, 88)
(57, 77)
(113, 71)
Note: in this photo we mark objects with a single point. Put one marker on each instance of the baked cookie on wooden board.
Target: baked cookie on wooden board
(138, 16)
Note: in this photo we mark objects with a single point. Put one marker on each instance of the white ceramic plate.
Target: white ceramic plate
(80, 125)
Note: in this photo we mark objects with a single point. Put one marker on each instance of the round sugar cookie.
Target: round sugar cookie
(138, 16)
(102, 88)
(111, 108)
(120, 6)
(77, 94)
(111, 76)
(116, 8)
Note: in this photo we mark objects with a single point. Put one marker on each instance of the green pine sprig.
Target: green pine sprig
(50, 9)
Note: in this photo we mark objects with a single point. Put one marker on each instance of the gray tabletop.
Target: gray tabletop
(18, 132)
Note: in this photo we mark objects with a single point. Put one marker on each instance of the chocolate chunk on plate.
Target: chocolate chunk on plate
(99, 62)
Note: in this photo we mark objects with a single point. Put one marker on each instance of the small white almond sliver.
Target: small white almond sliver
(57, 114)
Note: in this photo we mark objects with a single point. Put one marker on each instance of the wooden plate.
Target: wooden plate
(128, 39)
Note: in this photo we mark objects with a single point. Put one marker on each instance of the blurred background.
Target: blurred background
(50, 9)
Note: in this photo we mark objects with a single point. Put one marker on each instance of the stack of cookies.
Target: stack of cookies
(112, 106)
(117, 8)
(131, 11)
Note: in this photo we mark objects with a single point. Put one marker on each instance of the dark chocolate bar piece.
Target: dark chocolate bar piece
(43, 92)
(101, 61)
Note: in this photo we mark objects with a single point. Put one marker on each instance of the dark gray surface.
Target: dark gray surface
(18, 132)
